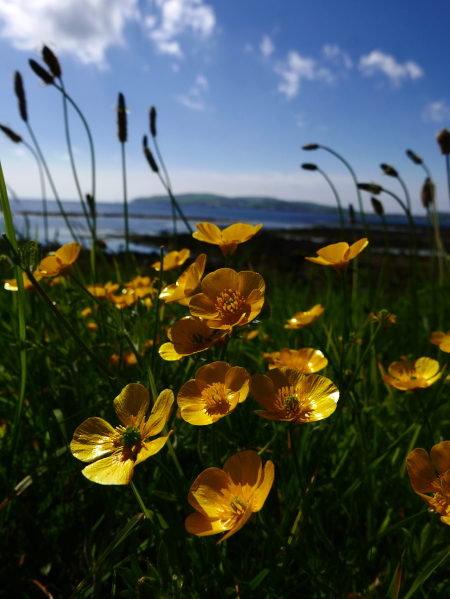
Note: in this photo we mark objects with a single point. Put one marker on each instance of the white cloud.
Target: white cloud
(194, 99)
(436, 112)
(85, 28)
(379, 62)
(177, 17)
(266, 46)
(338, 57)
(295, 68)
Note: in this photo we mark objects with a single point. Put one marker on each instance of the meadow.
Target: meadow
(198, 427)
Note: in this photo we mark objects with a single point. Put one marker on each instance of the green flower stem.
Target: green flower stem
(338, 200)
(44, 198)
(140, 502)
(325, 353)
(175, 203)
(11, 235)
(61, 318)
(173, 455)
(72, 161)
(52, 185)
(363, 358)
(91, 145)
(295, 454)
(425, 417)
(447, 164)
(168, 186)
(358, 192)
(157, 302)
(125, 204)
(405, 191)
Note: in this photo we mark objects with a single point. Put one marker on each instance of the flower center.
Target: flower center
(197, 338)
(229, 302)
(130, 436)
(237, 505)
(289, 402)
(216, 399)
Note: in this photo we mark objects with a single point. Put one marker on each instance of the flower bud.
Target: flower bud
(20, 93)
(377, 206)
(310, 146)
(427, 193)
(389, 170)
(11, 134)
(121, 119)
(371, 187)
(149, 156)
(443, 139)
(46, 77)
(153, 121)
(309, 167)
(416, 159)
(51, 61)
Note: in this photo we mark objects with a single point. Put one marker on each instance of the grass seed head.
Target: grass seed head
(149, 156)
(121, 119)
(11, 134)
(377, 206)
(309, 167)
(310, 147)
(20, 93)
(427, 193)
(51, 61)
(443, 139)
(414, 157)
(46, 77)
(389, 170)
(153, 121)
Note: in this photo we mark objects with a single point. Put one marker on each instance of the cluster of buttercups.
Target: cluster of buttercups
(224, 499)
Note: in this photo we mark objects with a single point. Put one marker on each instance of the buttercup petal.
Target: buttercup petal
(218, 281)
(116, 469)
(334, 253)
(237, 380)
(131, 404)
(263, 490)
(357, 248)
(93, 439)
(250, 281)
(421, 472)
(208, 232)
(149, 448)
(240, 232)
(206, 494)
(68, 253)
(440, 456)
(160, 413)
(427, 367)
(50, 267)
(244, 468)
(200, 525)
(240, 523)
(211, 373)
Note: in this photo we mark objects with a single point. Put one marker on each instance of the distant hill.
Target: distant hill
(201, 200)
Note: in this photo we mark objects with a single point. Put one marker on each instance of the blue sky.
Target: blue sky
(239, 88)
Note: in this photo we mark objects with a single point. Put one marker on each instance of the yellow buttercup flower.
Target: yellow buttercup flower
(188, 336)
(442, 340)
(60, 261)
(425, 480)
(291, 396)
(11, 284)
(412, 375)
(339, 254)
(229, 238)
(384, 317)
(172, 260)
(308, 360)
(229, 298)
(303, 319)
(92, 326)
(142, 283)
(187, 285)
(225, 499)
(214, 393)
(114, 452)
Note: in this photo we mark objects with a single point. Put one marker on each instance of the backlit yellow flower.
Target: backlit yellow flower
(442, 340)
(128, 359)
(339, 254)
(92, 326)
(412, 375)
(303, 319)
(425, 480)
(225, 499)
(215, 392)
(188, 336)
(229, 298)
(187, 285)
(62, 259)
(172, 260)
(289, 395)
(229, 238)
(384, 317)
(307, 359)
(114, 452)
(11, 284)
(130, 296)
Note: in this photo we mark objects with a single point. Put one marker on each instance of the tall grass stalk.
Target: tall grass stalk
(44, 197)
(18, 413)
